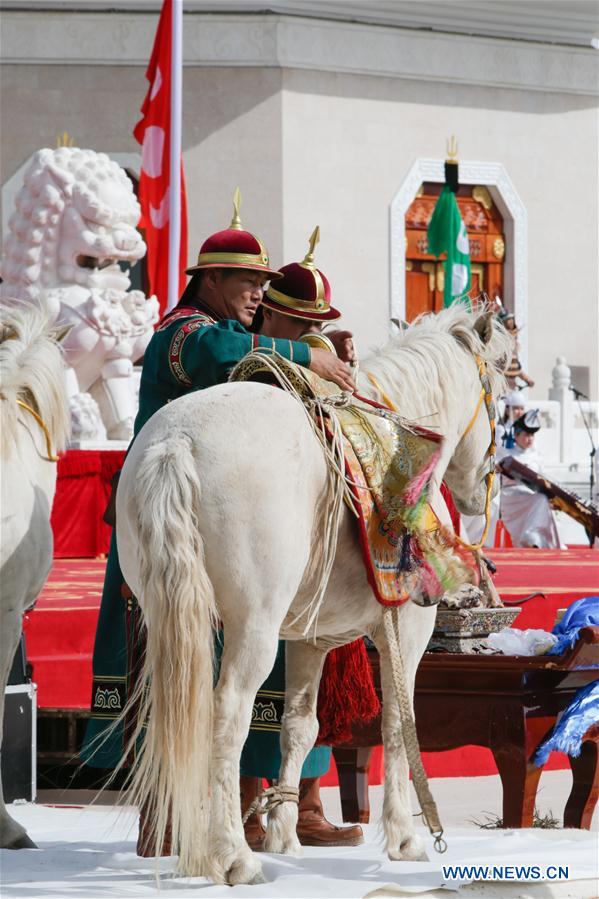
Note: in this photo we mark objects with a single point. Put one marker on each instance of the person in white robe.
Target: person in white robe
(514, 408)
(527, 515)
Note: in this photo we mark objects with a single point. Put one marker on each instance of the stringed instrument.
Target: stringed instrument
(586, 514)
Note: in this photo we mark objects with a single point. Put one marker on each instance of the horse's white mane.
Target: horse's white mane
(31, 370)
(424, 355)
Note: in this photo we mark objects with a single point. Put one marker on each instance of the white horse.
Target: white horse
(221, 510)
(35, 425)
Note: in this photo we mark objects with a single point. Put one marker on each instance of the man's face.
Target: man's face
(237, 294)
(524, 440)
(286, 327)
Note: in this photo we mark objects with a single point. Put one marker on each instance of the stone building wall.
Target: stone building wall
(319, 123)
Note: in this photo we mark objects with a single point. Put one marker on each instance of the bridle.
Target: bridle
(50, 455)
(486, 395)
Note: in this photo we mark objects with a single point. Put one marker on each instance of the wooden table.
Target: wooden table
(506, 703)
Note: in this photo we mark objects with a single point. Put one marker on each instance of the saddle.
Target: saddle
(389, 463)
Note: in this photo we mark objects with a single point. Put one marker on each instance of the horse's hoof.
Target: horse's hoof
(245, 871)
(283, 846)
(411, 850)
(22, 842)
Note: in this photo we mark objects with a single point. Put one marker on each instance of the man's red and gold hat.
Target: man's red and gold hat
(304, 292)
(234, 248)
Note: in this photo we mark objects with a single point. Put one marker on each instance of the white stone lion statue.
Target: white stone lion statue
(74, 222)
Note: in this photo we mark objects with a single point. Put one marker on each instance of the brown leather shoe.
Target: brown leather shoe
(146, 841)
(313, 829)
(250, 788)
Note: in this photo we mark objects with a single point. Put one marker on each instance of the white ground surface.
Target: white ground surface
(88, 852)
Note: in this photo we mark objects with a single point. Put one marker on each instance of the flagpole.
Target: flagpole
(174, 239)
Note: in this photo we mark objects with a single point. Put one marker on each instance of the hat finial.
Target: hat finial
(314, 239)
(236, 220)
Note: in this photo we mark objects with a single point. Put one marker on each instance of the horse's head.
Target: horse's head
(488, 348)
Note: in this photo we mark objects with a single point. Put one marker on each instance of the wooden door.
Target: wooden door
(424, 273)
(418, 297)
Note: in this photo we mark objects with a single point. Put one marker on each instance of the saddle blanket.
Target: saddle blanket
(389, 463)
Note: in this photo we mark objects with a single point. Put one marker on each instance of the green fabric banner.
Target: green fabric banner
(447, 234)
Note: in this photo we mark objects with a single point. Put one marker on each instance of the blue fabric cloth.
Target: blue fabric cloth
(582, 613)
(567, 734)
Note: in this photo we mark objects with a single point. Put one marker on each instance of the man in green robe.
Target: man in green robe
(194, 347)
(295, 309)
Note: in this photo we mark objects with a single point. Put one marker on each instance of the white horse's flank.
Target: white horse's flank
(32, 371)
(220, 509)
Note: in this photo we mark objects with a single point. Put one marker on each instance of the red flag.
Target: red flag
(153, 132)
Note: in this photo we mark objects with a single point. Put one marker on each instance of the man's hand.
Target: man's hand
(327, 366)
(344, 345)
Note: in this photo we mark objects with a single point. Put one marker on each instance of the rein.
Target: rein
(50, 455)
(384, 396)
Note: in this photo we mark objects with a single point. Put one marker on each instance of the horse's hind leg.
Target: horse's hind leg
(403, 843)
(299, 730)
(247, 660)
(12, 834)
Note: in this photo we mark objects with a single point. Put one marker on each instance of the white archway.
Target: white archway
(493, 176)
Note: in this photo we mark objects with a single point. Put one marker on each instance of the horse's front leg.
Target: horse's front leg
(12, 834)
(402, 841)
(299, 729)
(247, 660)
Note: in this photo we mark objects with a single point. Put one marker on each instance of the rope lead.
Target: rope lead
(408, 730)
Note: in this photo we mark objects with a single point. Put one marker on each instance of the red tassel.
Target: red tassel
(347, 693)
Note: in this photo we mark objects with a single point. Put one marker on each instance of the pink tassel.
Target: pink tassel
(414, 489)
(429, 581)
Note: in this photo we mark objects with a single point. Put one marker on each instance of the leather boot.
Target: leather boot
(146, 841)
(313, 829)
(250, 788)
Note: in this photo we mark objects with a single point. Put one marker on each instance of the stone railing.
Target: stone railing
(573, 439)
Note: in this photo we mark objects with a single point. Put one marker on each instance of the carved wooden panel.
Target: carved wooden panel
(487, 248)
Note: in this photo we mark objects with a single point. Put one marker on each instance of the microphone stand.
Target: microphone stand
(578, 394)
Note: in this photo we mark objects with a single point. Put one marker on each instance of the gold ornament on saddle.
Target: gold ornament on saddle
(318, 341)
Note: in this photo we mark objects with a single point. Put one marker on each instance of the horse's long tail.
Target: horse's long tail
(171, 774)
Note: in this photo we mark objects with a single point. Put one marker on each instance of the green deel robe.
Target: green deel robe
(189, 351)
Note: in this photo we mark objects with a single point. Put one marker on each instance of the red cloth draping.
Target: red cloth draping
(455, 515)
(82, 491)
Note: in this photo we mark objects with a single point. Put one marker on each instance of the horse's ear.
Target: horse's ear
(484, 326)
(59, 333)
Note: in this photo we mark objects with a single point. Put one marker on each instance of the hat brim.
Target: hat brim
(309, 315)
(271, 272)
(526, 430)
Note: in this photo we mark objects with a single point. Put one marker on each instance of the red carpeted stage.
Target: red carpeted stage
(60, 631)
